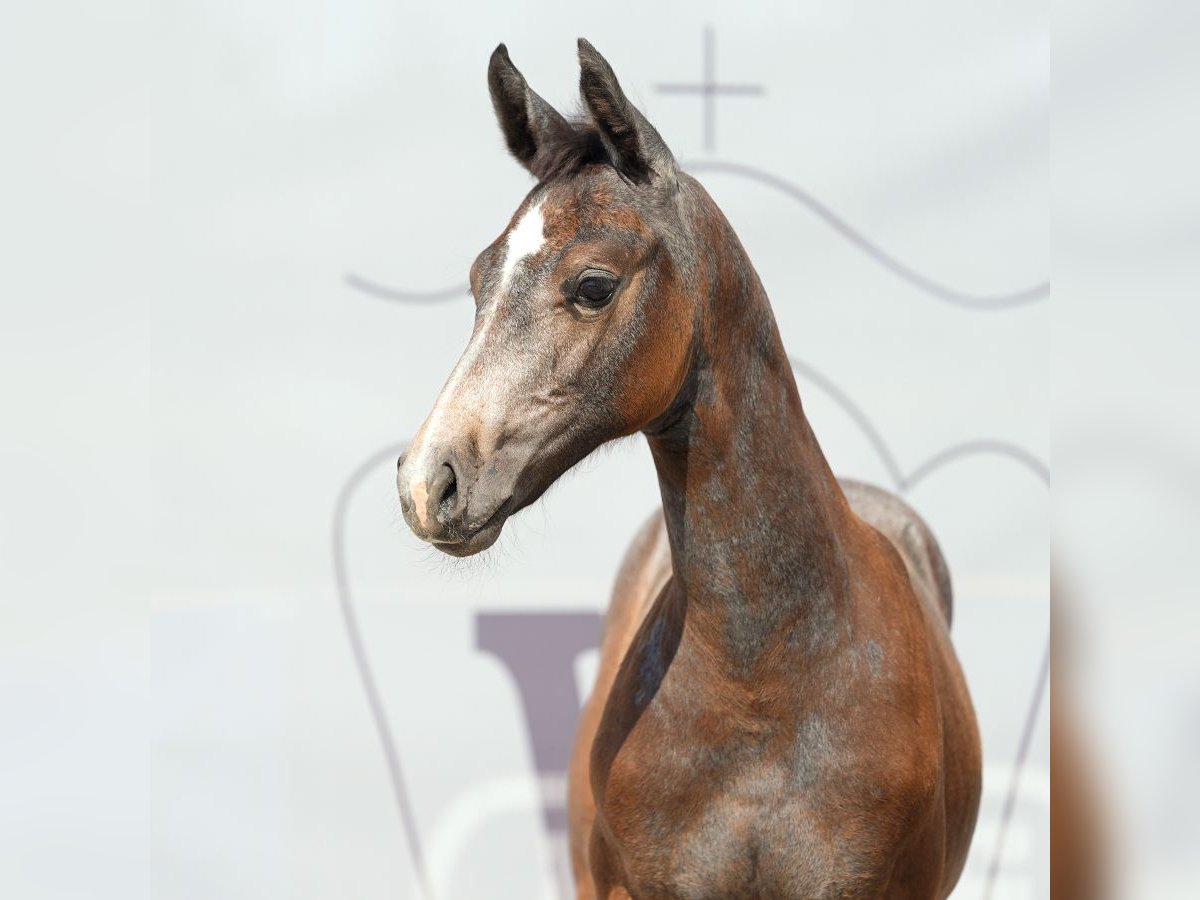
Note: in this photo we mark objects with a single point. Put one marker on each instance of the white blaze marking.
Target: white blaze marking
(525, 239)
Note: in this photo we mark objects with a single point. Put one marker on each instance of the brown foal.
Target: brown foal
(778, 710)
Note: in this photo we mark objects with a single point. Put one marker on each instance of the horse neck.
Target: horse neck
(754, 514)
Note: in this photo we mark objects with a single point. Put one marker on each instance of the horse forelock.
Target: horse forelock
(569, 151)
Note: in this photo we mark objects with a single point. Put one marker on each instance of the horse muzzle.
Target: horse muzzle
(456, 506)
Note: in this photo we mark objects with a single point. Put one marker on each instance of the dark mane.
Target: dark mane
(571, 149)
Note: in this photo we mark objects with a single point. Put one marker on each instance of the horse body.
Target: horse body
(745, 816)
(778, 710)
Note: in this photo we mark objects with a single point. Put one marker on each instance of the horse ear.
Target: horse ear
(531, 126)
(636, 148)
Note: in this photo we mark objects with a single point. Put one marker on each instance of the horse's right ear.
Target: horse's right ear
(636, 148)
(532, 127)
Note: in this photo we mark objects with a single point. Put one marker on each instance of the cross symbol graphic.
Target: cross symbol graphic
(708, 88)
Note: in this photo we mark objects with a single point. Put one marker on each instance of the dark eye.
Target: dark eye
(595, 290)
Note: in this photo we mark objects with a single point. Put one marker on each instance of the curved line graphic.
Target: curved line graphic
(903, 482)
(980, 448)
(363, 664)
(922, 282)
(1014, 785)
(936, 289)
(398, 295)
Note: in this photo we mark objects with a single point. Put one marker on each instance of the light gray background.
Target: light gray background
(297, 143)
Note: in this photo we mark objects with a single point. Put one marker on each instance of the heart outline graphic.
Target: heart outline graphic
(901, 482)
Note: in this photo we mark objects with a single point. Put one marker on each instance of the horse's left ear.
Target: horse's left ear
(636, 148)
(533, 129)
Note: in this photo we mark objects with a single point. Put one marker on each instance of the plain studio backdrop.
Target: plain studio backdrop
(309, 187)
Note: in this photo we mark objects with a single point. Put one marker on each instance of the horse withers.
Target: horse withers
(778, 710)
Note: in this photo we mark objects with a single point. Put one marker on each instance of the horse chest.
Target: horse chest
(685, 828)
(738, 846)
(708, 794)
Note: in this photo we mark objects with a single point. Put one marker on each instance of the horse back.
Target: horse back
(912, 538)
